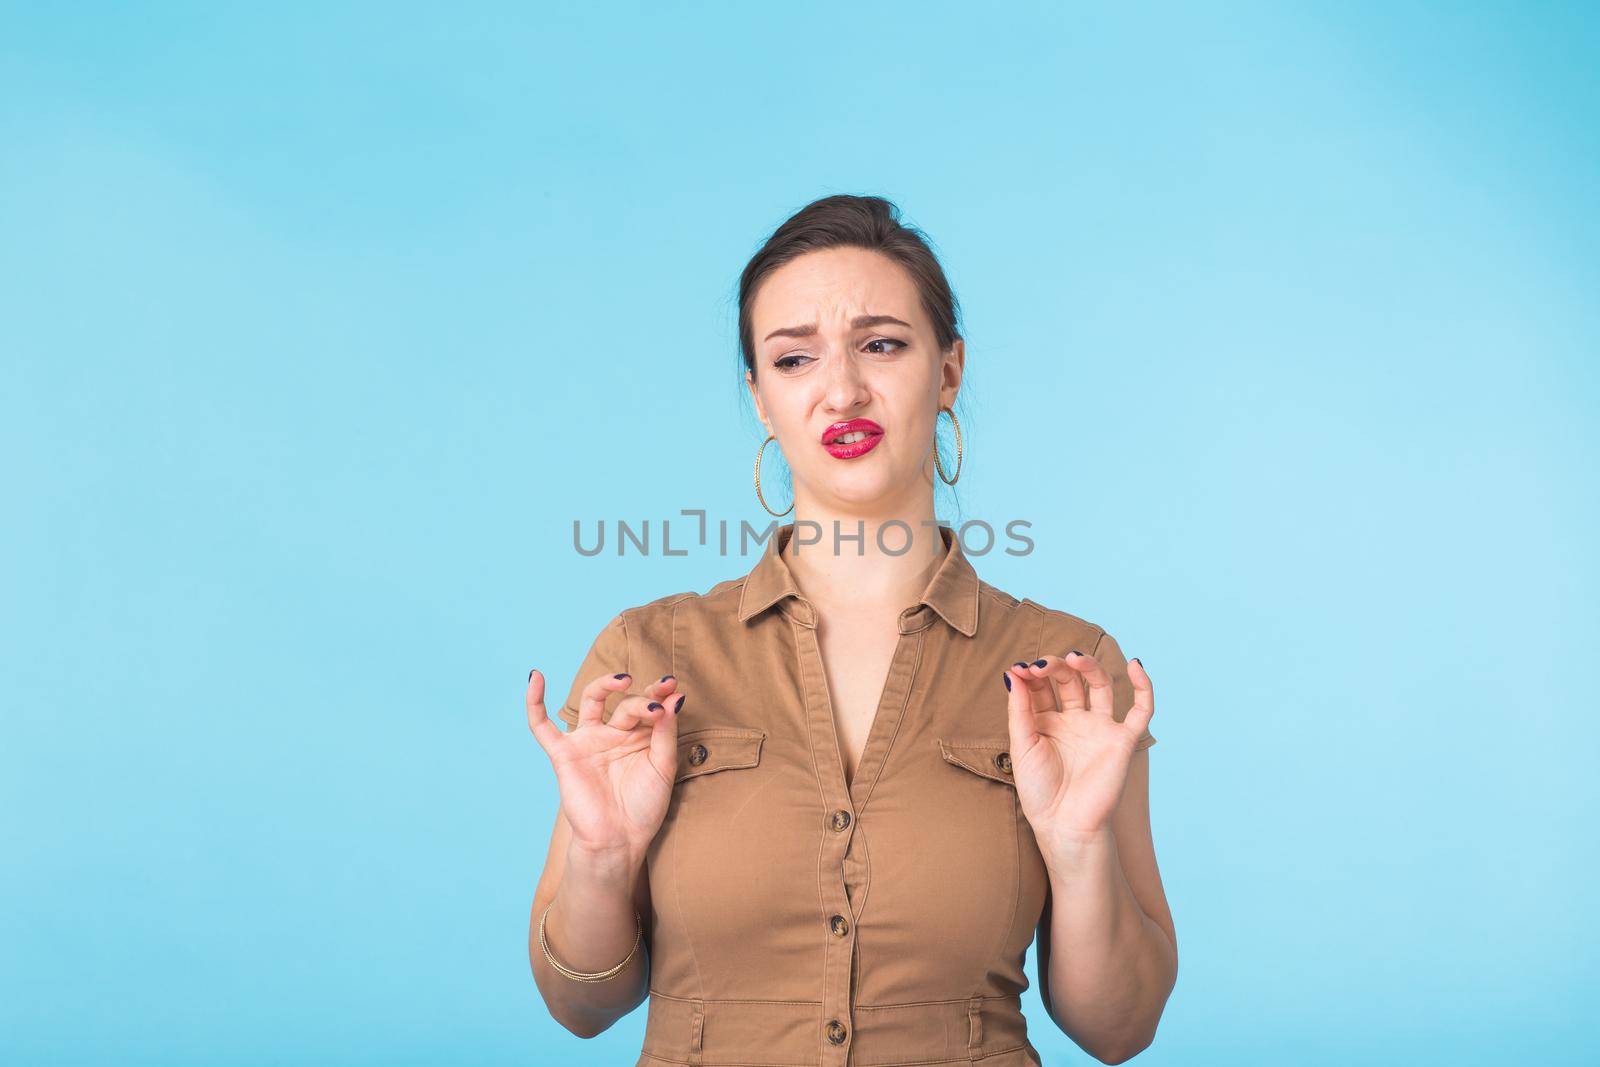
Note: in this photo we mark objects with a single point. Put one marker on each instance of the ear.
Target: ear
(955, 361)
(755, 397)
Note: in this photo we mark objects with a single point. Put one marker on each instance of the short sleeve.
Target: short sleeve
(608, 654)
(1109, 655)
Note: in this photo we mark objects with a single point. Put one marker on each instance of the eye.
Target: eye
(789, 362)
(885, 341)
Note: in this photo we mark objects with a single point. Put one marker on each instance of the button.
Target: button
(840, 924)
(836, 1031)
(697, 755)
(1003, 761)
(841, 819)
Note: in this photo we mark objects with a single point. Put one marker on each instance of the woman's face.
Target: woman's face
(840, 334)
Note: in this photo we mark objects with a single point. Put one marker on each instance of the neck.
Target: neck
(849, 562)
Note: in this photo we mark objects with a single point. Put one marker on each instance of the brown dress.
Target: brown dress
(801, 920)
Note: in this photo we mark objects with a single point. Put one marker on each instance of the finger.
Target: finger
(1144, 698)
(662, 687)
(544, 731)
(1066, 684)
(1095, 678)
(634, 709)
(592, 702)
(1038, 686)
(1019, 715)
(664, 739)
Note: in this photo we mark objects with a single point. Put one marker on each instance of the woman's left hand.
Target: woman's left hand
(1069, 756)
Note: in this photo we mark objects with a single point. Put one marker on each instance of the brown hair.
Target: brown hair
(869, 222)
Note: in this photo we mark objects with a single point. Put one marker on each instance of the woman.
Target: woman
(840, 852)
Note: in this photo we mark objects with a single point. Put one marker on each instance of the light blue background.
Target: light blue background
(319, 327)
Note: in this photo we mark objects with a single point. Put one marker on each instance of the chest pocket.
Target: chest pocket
(717, 748)
(987, 757)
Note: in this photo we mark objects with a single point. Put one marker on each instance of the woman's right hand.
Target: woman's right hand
(615, 776)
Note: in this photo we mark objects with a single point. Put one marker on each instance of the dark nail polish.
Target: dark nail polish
(624, 675)
(1021, 664)
(1007, 678)
(1038, 663)
(654, 706)
(664, 677)
(1139, 661)
(530, 674)
(679, 706)
(1074, 652)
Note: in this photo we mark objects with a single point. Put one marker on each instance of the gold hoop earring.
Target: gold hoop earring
(959, 451)
(759, 451)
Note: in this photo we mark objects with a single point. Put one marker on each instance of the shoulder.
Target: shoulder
(653, 623)
(722, 597)
(1054, 630)
(1062, 631)
(645, 639)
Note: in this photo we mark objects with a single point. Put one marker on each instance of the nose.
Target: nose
(846, 389)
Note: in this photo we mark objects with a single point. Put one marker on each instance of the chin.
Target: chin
(864, 493)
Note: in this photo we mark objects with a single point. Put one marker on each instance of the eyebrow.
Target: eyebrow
(857, 323)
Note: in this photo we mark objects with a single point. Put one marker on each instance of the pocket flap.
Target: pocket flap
(717, 748)
(989, 757)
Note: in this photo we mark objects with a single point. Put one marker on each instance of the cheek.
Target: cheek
(784, 403)
(915, 429)
(790, 422)
(910, 399)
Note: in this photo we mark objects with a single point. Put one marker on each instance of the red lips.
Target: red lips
(854, 448)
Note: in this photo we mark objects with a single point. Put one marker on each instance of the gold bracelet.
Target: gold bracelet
(597, 976)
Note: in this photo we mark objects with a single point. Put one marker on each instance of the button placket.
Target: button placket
(846, 802)
(838, 827)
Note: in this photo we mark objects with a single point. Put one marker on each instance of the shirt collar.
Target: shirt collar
(952, 592)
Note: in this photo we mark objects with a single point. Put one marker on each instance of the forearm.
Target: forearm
(1111, 967)
(591, 926)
